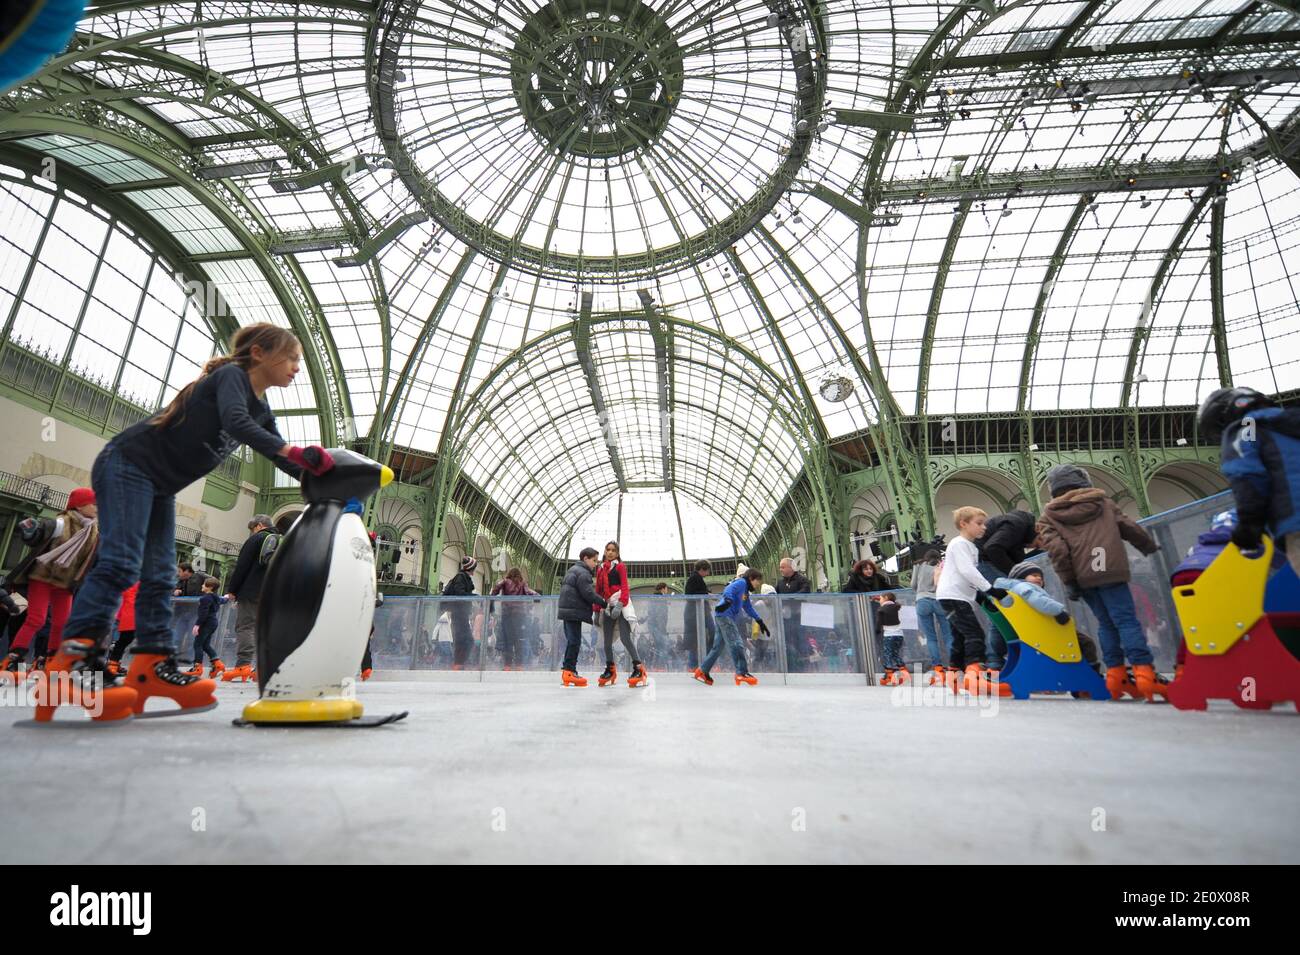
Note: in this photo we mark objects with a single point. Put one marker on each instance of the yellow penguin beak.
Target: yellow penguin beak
(385, 475)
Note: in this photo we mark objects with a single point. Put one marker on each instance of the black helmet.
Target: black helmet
(1224, 406)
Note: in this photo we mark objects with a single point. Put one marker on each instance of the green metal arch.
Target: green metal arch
(35, 125)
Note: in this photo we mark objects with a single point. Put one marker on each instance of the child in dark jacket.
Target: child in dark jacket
(1084, 534)
(891, 630)
(206, 627)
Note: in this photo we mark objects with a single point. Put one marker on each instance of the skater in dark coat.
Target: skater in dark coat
(462, 627)
(698, 616)
(1005, 540)
(577, 597)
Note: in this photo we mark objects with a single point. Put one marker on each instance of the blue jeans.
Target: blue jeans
(893, 651)
(1119, 632)
(932, 621)
(572, 644)
(993, 641)
(137, 541)
(203, 644)
(728, 632)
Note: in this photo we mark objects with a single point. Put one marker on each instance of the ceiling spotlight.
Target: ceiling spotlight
(1261, 84)
(1225, 175)
(1146, 203)
(1006, 210)
(1131, 181)
(1075, 106)
(1141, 379)
(1089, 96)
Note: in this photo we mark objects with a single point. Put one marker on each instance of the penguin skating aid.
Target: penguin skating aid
(317, 606)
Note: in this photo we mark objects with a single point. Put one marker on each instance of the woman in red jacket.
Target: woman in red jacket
(611, 584)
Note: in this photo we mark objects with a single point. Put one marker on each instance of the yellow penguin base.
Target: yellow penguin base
(302, 711)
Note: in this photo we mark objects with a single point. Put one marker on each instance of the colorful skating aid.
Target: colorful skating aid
(1233, 616)
(317, 605)
(1042, 655)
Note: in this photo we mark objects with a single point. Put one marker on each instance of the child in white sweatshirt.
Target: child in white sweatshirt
(961, 586)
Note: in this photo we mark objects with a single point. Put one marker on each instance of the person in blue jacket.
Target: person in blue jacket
(1259, 447)
(1026, 580)
(727, 616)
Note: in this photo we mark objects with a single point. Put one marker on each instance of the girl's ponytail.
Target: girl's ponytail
(274, 342)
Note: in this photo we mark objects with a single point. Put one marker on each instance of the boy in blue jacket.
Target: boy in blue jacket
(727, 616)
(1259, 450)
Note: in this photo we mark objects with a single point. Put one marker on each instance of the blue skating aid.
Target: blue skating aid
(1043, 656)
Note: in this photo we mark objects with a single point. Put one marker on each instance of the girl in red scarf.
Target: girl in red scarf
(611, 584)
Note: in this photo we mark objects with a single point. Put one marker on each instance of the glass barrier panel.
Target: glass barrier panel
(822, 633)
(519, 633)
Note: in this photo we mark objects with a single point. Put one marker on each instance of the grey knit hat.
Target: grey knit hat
(1067, 477)
(1024, 569)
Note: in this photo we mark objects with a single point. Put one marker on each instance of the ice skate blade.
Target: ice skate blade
(159, 714)
(360, 722)
(71, 723)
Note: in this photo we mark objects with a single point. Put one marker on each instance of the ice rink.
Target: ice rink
(525, 771)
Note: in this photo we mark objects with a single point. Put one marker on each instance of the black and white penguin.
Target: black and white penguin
(318, 601)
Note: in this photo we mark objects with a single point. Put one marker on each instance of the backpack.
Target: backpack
(269, 546)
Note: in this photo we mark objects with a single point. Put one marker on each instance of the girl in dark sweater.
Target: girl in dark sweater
(136, 478)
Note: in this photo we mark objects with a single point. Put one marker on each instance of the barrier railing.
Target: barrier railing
(810, 633)
(814, 633)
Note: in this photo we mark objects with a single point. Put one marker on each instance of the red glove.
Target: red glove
(315, 460)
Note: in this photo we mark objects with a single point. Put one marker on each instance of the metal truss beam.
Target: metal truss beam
(1172, 254)
(1118, 51)
(582, 344)
(1218, 214)
(664, 386)
(936, 303)
(1153, 176)
(238, 220)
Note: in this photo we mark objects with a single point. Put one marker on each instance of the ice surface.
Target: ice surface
(527, 771)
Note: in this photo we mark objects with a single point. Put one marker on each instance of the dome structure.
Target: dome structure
(703, 261)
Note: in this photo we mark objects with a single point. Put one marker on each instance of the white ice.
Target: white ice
(525, 771)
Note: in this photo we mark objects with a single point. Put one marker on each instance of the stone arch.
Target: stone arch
(284, 517)
(453, 548)
(994, 491)
(483, 572)
(1182, 482)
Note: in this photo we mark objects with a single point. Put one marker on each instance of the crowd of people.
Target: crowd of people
(99, 579)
